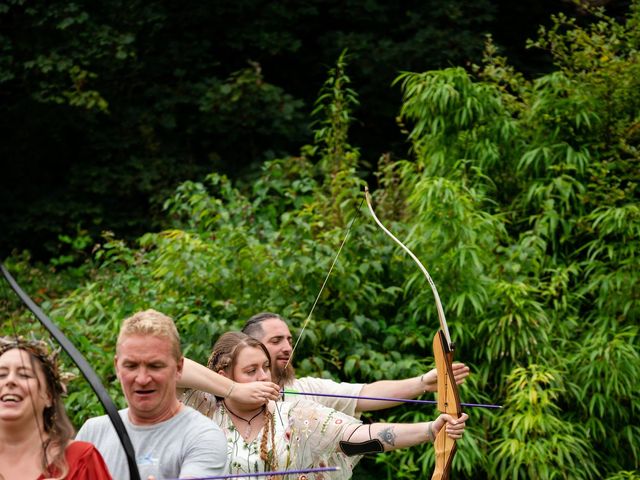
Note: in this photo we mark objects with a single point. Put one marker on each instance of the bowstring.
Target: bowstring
(308, 319)
(324, 283)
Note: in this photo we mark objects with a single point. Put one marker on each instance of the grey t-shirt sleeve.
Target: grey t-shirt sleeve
(100, 432)
(94, 430)
(83, 433)
(206, 453)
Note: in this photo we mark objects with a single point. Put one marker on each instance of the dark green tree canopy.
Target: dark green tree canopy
(106, 106)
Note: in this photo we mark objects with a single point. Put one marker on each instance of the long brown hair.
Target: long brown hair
(54, 422)
(224, 357)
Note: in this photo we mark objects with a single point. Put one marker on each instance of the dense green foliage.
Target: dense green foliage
(520, 198)
(107, 106)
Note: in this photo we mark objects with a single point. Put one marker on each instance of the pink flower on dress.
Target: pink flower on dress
(338, 421)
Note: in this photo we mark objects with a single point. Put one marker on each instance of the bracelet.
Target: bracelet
(424, 389)
(233, 384)
(433, 435)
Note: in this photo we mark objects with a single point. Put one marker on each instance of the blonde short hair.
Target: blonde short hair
(151, 322)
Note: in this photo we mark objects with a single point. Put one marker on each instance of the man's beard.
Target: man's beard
(284, 375)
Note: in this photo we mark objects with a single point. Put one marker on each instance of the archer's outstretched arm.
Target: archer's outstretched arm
(393, 436)
(199, 377)
(409, 388)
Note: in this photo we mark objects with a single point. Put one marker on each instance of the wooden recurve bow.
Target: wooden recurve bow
(448, 402)
(448, 399)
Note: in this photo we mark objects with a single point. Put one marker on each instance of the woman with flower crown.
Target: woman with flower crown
(299, 434)
(35, 431)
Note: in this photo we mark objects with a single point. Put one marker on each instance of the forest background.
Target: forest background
(206, 161)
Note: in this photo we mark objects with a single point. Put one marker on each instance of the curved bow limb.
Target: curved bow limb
(448, 402)
(84, 367)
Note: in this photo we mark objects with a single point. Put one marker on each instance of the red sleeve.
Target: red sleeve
(85, 462)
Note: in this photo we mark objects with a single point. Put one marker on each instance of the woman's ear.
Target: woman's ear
(223, 373)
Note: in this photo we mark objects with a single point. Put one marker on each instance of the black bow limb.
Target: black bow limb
(84, 367)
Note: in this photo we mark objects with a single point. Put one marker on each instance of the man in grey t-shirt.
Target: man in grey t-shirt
(170, 440)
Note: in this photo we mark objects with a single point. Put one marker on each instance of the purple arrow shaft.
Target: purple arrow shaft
(386, 399)
(266, 474)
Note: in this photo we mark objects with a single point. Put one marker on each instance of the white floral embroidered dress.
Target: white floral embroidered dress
(306, 436)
